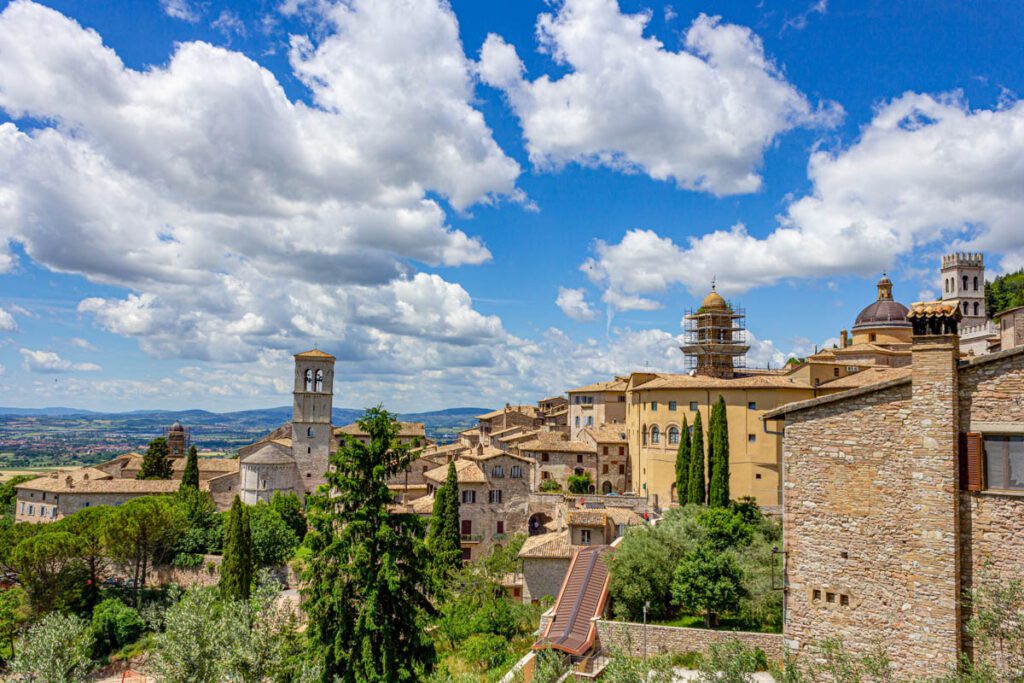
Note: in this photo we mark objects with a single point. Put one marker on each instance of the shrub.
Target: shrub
(273, 541)
(549, 486)
(484, 650)
(580, 483)
(55, 649)
(708, 582)
(187, 561)
(114, 625)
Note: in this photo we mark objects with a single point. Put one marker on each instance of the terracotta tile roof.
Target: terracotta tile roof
(208, 464)
(314, 353)
(624, 516)
(525, 436)
(466, 472)
(528, 410)
(933, 309)
(60, 484)
(404, 429)
(580, 602)
(509, 431)
(591, 518)
(870, 375)
(617, 384)
(472, 431)
(423, 505)
(608, 433)
(488, 452)
(667, 381)
(553, 446)
(270, 454)
(550, 546)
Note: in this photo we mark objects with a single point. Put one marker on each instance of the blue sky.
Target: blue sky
(476, 202)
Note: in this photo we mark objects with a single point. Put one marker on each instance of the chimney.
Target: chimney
(69, 482)
(932, 467)
(844, 339)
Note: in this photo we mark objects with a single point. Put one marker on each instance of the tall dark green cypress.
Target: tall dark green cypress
(366, 582)
(683, 463)
(718, 454)
(445, 538)
(236, 570)
(695, 485)
(156, 462)
(190, 477)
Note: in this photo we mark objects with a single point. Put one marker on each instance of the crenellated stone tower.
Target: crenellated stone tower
(963, 284)
(311, 418)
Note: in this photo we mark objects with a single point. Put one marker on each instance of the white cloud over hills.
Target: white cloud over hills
(51, 362)
(701, 115)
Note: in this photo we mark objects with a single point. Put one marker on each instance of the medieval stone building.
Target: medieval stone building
(902, 496)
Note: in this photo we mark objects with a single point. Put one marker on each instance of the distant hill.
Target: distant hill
(46, 411)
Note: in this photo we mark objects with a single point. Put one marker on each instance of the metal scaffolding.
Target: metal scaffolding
(715, 340)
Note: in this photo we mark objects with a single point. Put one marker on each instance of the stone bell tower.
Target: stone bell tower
(963, 284)
(313, 399)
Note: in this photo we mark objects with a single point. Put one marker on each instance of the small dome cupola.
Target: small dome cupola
(884, 312)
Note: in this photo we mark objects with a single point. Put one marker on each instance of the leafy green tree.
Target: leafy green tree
(191, 645)
(44, 564)
(236, 570)
(142, 533)
(695, 482)
(996, 627)
(708, 582)
(683, 463)
(718, 456)
(9, 494)
(203, 529)
(257, 633)
(14, 612)
(580, 483)
(273, 541)
(55, 650)
(114, 625)
(724, 528)
(549, 486)
(156, 462)
(190, 477)
(484, 651)
(89, 525)
(731, 662)
(289, 507)
(1004, 292)
(641, 572)
(365, 581)
(444, 540)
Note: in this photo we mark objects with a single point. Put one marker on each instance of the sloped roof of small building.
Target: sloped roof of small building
(466, 472)
(609, 432)
(589, 518)
(315, 354)
(553, 446)
(554, 545)
(270, 454)
(404, 429)
(617, 384)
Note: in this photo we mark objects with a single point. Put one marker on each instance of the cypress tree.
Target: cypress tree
(236, 569)
(695, 484)
(445, 538)
(190, 477)
(365, 582)
(683, 463)
(156, 463)
(718, 441)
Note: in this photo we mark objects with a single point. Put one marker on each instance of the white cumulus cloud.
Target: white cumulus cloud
(240, 220)
(926, 170)
(51, 362)
(180, 9)
(7, 322)
(701, 115)
(574, 304)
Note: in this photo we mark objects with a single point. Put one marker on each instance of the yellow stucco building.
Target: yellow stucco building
(656, 403)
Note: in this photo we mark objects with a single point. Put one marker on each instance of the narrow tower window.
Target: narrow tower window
(975, 283)
(309, 380)
(975, 306)
(319, 380)
(965, 283)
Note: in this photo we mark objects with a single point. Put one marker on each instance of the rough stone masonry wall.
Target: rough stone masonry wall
(620, 636)
(991, 524)
(849, 526)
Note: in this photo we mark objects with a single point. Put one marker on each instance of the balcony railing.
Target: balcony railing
(472, 538)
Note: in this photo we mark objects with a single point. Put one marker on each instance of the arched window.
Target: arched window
(975, 283)
(643, 432)
(673, 434)
(965, 308)
(975, 308)
(606, 487)
(947, 284)
(310, 432)
(655, 434)
(965, 283)
(309, 380)
(319, 380)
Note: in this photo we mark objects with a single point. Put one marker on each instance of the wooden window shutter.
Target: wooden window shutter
(971, 449)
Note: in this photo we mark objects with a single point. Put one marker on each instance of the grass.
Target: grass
(724, 624)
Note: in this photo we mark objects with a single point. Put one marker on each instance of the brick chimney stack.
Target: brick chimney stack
(932, 504)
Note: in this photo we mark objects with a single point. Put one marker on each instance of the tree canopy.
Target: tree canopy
(156, 462)
(236, 569)
(718, 456)
(695, 482)
(190, 477)
(366, 578)
(683, 462)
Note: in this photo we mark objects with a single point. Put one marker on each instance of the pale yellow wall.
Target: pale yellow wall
(883, 335)
(654, 464)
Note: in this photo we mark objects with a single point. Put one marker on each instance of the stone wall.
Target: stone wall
(629, 637)
(543, 576)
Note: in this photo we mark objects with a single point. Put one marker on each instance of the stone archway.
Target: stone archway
(606, 487)
(538, 523)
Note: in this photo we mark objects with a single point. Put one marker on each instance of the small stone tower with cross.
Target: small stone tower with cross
(311, 418)
(963, 283)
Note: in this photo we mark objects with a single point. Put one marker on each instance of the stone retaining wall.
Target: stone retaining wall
(629, 637)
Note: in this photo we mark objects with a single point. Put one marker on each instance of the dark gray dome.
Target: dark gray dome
(885, 312)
